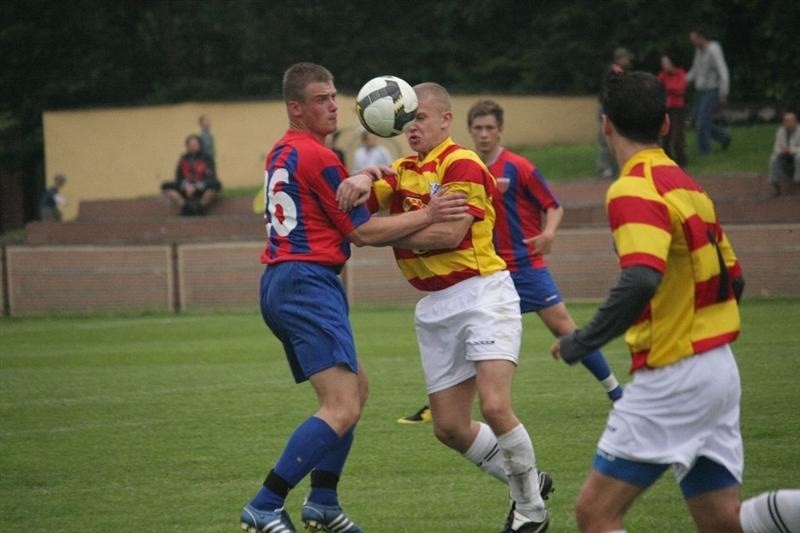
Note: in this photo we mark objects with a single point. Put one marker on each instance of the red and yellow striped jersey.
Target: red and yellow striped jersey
(458, 170)
(661, 218)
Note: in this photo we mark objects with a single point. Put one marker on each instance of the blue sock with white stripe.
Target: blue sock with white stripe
(597, 365)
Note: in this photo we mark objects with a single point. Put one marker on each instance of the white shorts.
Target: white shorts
(474, 320)
(679, 413)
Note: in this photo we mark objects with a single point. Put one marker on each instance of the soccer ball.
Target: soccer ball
(386, 106)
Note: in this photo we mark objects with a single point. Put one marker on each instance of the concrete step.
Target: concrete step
(719, 188)
(153, 207)
(212, 228)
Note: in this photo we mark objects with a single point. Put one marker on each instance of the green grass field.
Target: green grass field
(747, 154)
(169, 423)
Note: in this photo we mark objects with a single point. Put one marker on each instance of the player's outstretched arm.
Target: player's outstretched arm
(624, 305)
(384, 230)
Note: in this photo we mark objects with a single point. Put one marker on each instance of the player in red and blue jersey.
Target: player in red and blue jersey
(303, 302)
(527, 219)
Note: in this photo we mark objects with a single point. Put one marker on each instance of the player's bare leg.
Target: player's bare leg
(451, 410)
(560, 323)
(603, 502)
(716, 511)
(339, 392)
(494, 380)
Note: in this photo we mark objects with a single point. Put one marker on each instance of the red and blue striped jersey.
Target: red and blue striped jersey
(304, 222)
(519, 214)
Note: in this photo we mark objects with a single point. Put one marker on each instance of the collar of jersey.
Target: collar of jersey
(437, 151)
(646, 156)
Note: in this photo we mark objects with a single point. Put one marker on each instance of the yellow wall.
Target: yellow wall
(128, 152)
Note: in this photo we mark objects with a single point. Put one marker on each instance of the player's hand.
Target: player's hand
(190, 189)
(447, 207)
(353, 191)
(542, 244)
(377, 173)
(555, 349)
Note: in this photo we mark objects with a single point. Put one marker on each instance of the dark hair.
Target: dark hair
(193, 136)
(635, 103)
(700, 30)
(299, 76)
(482, 108)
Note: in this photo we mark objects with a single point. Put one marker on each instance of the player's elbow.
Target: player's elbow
(363, 238)
(358, 239)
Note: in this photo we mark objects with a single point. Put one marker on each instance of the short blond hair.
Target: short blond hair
(436, 92)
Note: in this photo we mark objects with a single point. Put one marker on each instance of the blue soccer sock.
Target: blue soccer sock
(310, 442)
(597, 365)
(325, 476)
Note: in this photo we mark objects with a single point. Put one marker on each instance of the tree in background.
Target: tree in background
(56, 55)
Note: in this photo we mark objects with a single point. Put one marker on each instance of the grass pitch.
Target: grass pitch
(748, 154)
(169, 423)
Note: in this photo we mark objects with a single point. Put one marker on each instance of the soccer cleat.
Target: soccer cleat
(545, 488)
(519, 523)
(257, 521)
(328, 518)
(545, 484)
(421, 416)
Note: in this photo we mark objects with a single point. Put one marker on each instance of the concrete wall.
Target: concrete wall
(128, 152)
(88, 279)
(84, 279)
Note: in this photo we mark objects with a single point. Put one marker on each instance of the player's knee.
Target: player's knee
(497, 413)
(452, 436)
(343, 414)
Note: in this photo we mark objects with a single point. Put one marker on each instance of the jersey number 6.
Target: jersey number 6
(280, 206)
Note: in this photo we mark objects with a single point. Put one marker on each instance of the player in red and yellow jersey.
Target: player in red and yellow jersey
(469, 324)
(676, 301)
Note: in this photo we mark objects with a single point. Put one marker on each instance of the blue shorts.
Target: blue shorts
(705, 476)
(305, 306)
(537, 289)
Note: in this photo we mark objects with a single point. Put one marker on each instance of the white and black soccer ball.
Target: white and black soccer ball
(386, 106)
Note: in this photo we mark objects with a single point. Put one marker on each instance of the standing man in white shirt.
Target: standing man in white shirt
(709, 73)
(371, 154)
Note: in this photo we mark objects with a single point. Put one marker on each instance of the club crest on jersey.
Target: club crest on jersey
(412, 204)
(434, 188)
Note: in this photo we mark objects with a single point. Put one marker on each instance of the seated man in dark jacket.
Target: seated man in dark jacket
(195, 186)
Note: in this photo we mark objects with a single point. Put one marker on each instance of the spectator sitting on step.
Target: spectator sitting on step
(785, 158)
(195, 186)
(51, 200)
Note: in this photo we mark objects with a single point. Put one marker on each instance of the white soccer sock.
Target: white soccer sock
(523, 478)
(484, 453)
(610, 383)
(777, 511)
